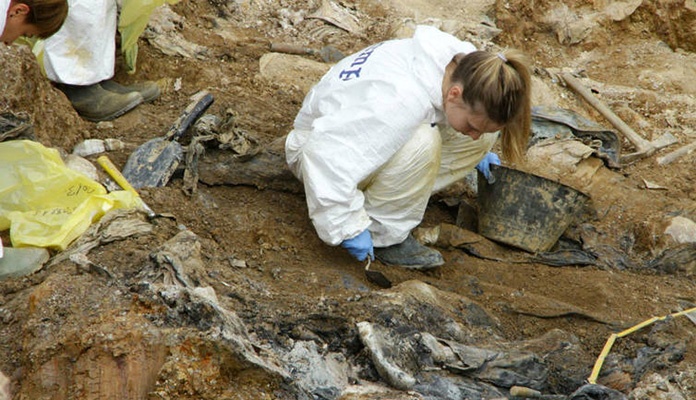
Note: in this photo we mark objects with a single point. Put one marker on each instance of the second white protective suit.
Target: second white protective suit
(370, 137)
(4, 6)
(83, 51)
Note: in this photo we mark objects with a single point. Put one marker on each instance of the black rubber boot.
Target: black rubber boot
(148, 89)
(94, 103)
(409, 254)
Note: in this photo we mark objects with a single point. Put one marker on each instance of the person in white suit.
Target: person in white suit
(392, 124)
(81, 57)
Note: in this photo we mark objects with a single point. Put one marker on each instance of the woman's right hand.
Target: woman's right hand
(360, 246)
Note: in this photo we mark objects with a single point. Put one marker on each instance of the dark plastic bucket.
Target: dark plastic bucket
(525, 210)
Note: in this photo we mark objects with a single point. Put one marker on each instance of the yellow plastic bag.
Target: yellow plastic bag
(132, 22)
(45, 204)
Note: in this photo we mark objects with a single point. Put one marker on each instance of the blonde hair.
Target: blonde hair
(46, 15)
(501, 83)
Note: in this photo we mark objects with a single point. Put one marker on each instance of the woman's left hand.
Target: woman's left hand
(485, 164)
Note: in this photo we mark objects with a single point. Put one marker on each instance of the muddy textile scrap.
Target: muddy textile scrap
(559, 123)
(680, 259)
(415, 342)
(596, 392)
(408, 360)
(15, 126)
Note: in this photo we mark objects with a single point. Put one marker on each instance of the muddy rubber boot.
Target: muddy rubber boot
(149, 90)
(409, 254)
(94, 103)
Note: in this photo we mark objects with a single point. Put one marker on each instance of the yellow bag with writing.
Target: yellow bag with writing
(45, 204)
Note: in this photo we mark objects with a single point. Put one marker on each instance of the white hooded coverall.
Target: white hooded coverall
(371, 141)
(4, 7)
(83, 51)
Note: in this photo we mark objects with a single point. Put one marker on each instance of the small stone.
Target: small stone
(22, 261)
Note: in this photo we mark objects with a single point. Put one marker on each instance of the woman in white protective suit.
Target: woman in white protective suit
(81, 57)
(392, 124)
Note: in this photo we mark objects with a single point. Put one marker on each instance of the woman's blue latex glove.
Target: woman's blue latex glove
(485, 165)
(360, 246)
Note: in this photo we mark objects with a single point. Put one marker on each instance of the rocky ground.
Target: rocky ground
(232, 295)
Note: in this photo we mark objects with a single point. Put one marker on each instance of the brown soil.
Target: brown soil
(643, 66)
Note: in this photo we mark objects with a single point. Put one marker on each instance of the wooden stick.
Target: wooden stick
(642, 145)
(678, 153)
(291, 49)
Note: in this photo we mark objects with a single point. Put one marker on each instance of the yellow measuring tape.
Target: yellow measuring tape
(612, 338)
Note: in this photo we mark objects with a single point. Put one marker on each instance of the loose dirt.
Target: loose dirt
(641, 65)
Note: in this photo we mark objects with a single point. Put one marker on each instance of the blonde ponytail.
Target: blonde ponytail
(501, 83)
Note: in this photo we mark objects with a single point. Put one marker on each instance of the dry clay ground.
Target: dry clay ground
(641, 62)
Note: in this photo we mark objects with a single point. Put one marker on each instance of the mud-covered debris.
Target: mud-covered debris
(656, 387)
(177, 262)
(193, 153)
(337, 15)
(448, 236)
(545, 307)
(21, 261)
(96, 146)
(387, 356)
(81, 165)
(681, 230)
(114, 226)
(265, 170)
(86, 265)
(4, 387)
(596, 392)
(237, 263)
(678, 259)
(15, 126)
(208, 124)
(652, 185)
(620, 10)
(565, 257)
(570, 28)
(325, 374)
(164, 33)
(292, 70)
(608, 257)
(402, 356)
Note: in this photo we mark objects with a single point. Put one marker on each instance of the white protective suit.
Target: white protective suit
(83, 51)
(4, 6)
(370, 137)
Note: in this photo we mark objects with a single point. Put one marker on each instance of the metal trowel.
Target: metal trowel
(153, 163)
(376, 277)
